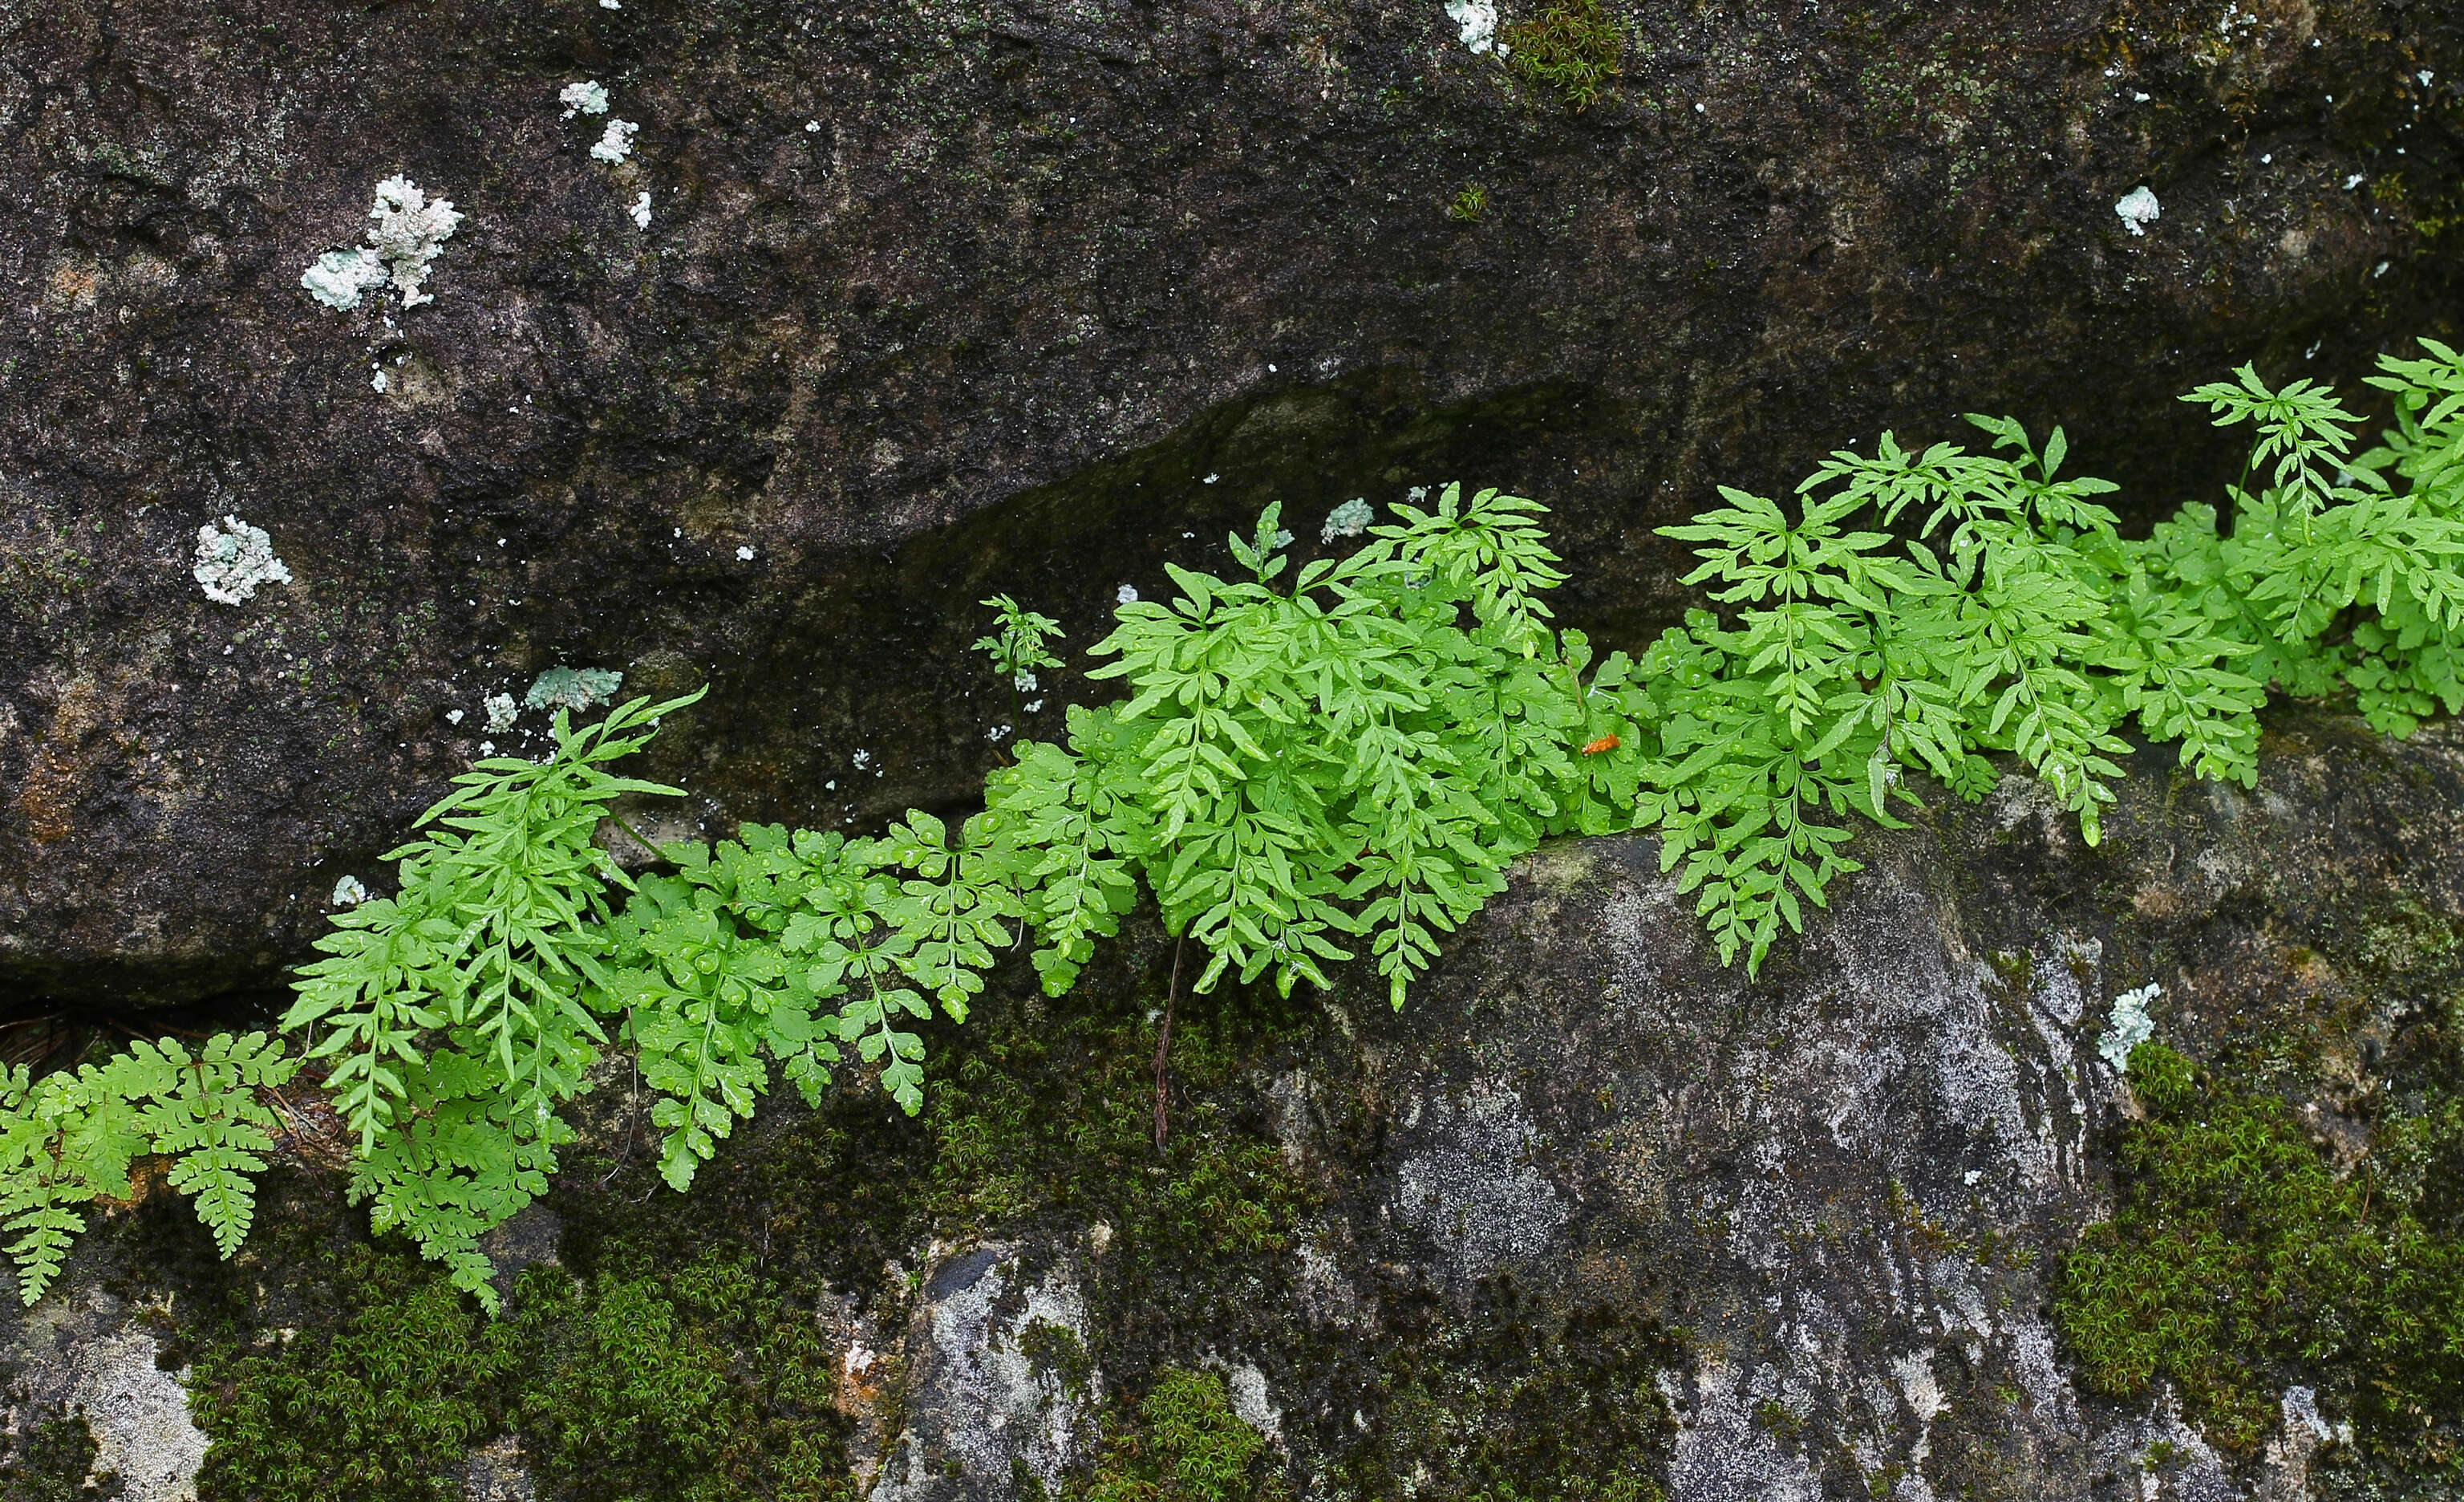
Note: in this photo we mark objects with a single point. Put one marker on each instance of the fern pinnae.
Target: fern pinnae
(1301, 762)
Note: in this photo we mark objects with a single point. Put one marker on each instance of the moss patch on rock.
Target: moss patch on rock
(2242, 1262)
(369, 1380)
(54, 1464)
(1518, 1405)
(1569, 49)
(1054, 1115)
(1181, 1442)
(372, 1378)
(702, 1382)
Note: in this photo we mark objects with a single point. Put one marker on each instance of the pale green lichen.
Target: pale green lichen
(1348, 519)
(2129, 1025)
(408, 232)
(234, 559)
(616, 142)
(575, 689)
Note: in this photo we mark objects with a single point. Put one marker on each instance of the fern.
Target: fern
(457, 1016)
(775, 948)
(706, 991)
(205, 1112)
(1307, 770)
(2343, 571)
(68, 1139)
(1355, 760)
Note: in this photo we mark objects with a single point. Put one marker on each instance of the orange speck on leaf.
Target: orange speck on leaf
(1604, 744)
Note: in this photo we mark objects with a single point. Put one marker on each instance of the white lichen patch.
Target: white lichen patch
(408, 232)
(138, 1415)
(501, 711)
(574, 689)
(982, 1406)
(349, 892)
(1478, 21)
(338, 278)
(1722, 1454)
(234, 559)
(641, 212)
(2130, 1025)
(616, 142)
(1473, 1183)
(1252, 1403)
(585, 98)
(2138, 209)
(1348, 519)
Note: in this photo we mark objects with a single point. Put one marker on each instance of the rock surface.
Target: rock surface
(964, 295)
(1592, 1208)
(91, 1358)
(997, 1380)
(1847, 1181)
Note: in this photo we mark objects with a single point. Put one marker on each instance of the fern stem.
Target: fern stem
(1163, 1045)
(639, 838)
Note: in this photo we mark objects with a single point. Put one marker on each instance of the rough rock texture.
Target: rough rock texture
(1845, 1182)
(950, 297)
(87, 1356)
(1591, 1209)
(990, 1381)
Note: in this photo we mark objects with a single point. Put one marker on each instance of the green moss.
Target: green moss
(54, 1464)
(665, 1358)
(1183, 1443)
(1570, 48)
(1778, 1420)
(390, 1376)
(1517, 1406)
(699, 1380)
(1051, 1108)
(2240, 1263)
(700, 1384)
(1056, 1351)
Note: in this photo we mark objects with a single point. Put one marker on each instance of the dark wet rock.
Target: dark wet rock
(1019, 296)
